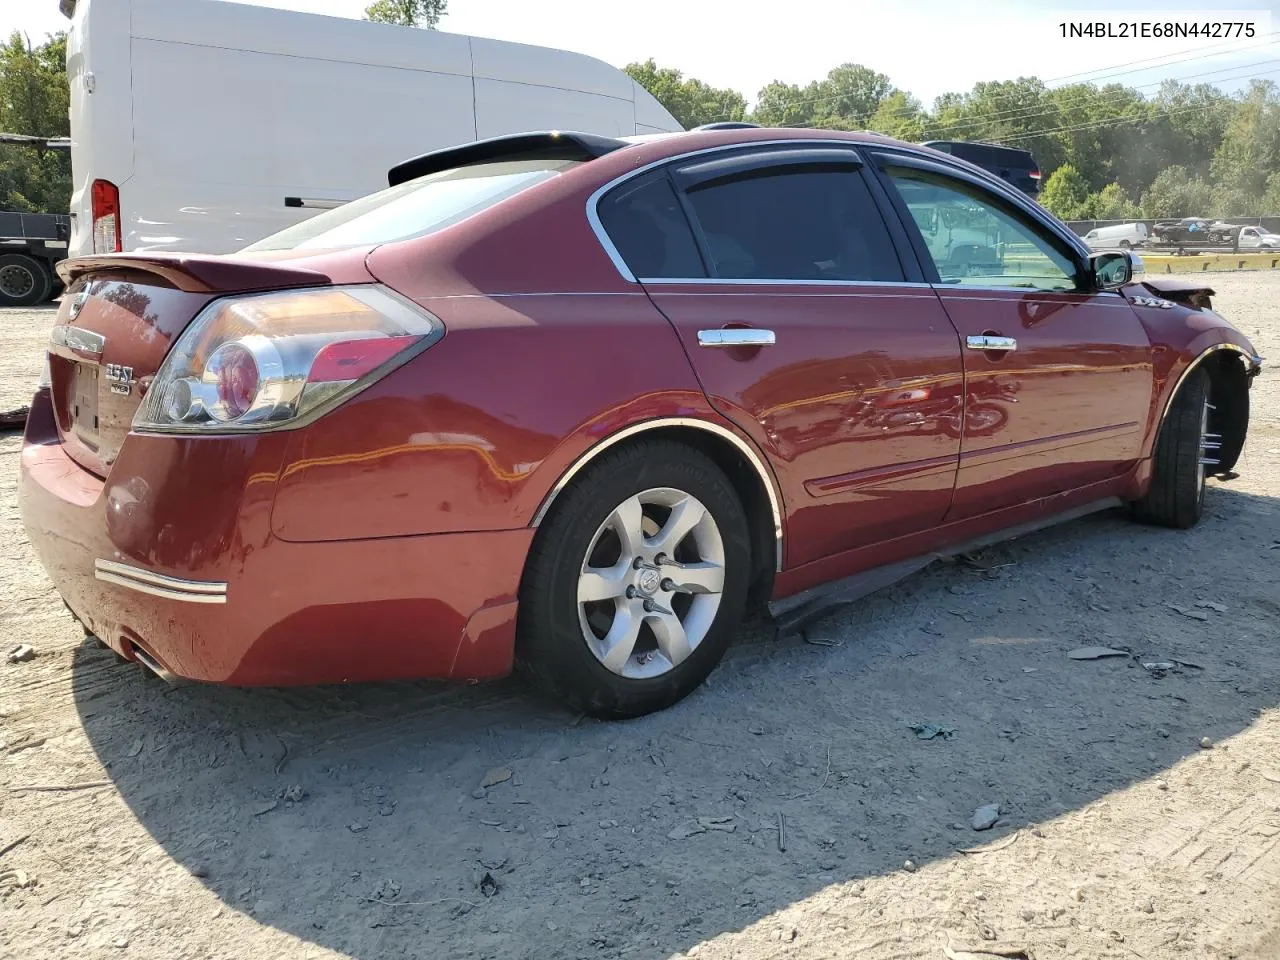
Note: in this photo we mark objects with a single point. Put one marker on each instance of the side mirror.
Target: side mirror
(1112, 269)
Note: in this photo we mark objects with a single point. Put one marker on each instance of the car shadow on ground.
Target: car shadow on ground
(375, 820)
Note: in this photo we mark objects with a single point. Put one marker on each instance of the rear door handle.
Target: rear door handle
(736, 337)
(988, 342)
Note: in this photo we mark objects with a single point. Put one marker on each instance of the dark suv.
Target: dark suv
(1019, 167)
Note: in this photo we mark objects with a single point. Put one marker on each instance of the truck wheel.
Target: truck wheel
(24, 281)
(1126, 245)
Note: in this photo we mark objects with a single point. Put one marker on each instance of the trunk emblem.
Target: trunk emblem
(78, 304)
(120, 377)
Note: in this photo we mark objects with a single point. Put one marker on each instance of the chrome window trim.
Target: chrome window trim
(756, 282)
(874, 149)
(1252, 362)
(743, 447)
(159, 585)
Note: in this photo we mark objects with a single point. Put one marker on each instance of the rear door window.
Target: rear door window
(644, 221)
(794, 223)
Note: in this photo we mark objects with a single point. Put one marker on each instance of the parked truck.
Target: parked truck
(30, 245)
(203, 125)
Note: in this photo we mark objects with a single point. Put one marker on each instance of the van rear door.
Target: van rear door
(98, 71)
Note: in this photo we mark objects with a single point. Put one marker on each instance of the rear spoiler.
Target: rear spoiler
(194, 273)
(547, 145)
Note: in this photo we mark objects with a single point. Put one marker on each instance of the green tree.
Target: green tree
(407, 13)
(1066, 194)
(1177, 193)
(1271, 197)
(690, 101)
(899, 115)
(34, 98)
(846, 99)
(1250, 147)
(1110, 203)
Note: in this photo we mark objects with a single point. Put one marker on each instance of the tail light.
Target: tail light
(280, 360)
(1034, 174)
(106, 217)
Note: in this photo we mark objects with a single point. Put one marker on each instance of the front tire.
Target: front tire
(1176, 495)
(635, 582)
(24, 281)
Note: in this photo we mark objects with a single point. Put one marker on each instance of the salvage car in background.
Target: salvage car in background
(1012, 164)
(411, 437)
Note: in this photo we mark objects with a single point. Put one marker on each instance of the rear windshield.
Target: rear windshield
(415, 208)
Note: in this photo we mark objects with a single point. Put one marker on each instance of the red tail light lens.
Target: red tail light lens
(279, 360)
(352, 359)
(1035, 174)
(105, 197)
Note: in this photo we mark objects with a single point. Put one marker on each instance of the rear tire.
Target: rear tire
(656, 531)
(24, 281)
(1176, 495)
(1126, 245)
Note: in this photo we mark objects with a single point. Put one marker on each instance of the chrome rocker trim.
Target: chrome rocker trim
(158, 585)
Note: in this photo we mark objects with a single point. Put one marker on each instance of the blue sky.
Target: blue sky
(925, 46)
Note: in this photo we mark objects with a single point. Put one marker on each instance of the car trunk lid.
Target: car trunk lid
(122, 313)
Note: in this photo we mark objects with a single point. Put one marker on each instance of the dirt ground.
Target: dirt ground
(786, 810)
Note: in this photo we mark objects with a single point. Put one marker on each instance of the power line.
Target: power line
(1129, 69)
(1014, 116)
(1116, 121)
(1110, 121)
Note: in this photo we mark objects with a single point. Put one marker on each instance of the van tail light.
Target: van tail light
(280, 360)
(1034, 174)
(105, 197)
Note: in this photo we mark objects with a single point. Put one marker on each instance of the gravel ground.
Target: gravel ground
(785, 810)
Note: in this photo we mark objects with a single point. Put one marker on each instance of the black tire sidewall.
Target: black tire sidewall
(550, 642)
(1176, 495)
(40, 290)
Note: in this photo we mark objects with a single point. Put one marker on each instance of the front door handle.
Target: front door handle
(736, 337)
(988, 342)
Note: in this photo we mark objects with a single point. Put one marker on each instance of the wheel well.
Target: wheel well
(1229, 394)
(749, 486)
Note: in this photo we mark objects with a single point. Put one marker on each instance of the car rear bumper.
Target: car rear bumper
(183, 572)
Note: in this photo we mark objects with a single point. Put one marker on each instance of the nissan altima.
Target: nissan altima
(580, 404)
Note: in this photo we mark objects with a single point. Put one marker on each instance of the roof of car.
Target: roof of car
(572, 145)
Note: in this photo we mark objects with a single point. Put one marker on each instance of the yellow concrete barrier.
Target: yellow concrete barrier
(1211, 262)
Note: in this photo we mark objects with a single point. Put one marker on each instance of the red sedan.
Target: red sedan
(581, 404)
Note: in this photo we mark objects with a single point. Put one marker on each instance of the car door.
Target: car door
(783, 281)
(1058, 376)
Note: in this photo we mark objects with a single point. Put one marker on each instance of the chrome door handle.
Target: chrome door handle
(984, 342)
(736, 337)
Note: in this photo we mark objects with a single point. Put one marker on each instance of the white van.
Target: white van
(1121, 236)
(203, 125)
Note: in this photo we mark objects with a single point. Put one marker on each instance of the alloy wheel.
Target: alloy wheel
(651, 583)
